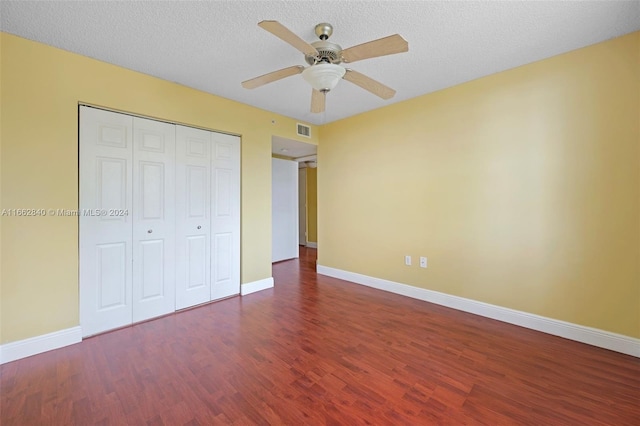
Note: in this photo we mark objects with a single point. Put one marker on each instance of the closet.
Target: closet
(159, 218)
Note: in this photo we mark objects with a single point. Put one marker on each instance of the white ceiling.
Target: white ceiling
(214, 45)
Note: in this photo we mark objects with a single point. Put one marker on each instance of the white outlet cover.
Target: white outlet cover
(423, 262)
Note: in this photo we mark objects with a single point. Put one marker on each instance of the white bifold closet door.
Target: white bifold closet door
(208, 216)
(193, 214)
(159, 219)
(225, 236)
(106, 252)
(153, 215)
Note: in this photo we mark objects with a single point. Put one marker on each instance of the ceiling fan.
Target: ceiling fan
(323, 57)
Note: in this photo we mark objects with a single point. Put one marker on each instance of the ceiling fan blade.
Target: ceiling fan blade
(380, 47)
(285, 34)
(367, 83)
(272, 76)
(317, 100)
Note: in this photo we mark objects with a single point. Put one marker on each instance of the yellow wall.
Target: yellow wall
(1, 125)
(41, 89)
(312, 205)
(522, 189)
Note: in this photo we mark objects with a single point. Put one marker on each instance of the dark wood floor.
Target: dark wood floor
(317, 350)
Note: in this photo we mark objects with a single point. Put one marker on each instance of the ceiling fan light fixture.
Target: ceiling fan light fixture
(323, 77)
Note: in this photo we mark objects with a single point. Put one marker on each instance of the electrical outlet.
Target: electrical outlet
(407, 260)
(423, 262)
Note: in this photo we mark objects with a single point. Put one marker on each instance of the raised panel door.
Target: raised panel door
(193, 216)
(153, 218)
(105, 251)
(225, 184)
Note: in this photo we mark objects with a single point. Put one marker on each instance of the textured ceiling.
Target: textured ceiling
(214, 45)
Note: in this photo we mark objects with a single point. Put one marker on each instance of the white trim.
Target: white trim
(149, 117)
(313, 158)
(39, 344)
(312, 245)
(254, 286)
(591, 336)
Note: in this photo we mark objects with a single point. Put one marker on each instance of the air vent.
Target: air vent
(304, 130)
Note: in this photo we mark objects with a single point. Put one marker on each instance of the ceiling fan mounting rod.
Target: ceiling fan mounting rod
(324, 30)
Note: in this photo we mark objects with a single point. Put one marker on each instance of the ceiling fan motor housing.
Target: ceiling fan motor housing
(327, 52)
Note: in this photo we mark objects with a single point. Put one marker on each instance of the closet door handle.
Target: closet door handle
(199, 227)
(149, 231)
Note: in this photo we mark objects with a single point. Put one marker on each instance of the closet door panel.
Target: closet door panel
(105, 250)
(111, 274)
(154, 219)
(159, 218)
(193, 216)
(225, 268)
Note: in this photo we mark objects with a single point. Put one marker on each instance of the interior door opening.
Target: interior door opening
(294, 197)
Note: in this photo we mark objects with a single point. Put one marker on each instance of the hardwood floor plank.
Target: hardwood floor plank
(317, 350)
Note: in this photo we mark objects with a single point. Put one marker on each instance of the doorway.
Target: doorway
(297, 219)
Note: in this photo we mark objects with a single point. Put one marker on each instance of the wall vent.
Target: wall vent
(304, 130)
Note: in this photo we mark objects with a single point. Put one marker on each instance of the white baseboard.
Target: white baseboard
(592, 336)
(312, 245)
(58, 339)
(254, 286)
(36, 345)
